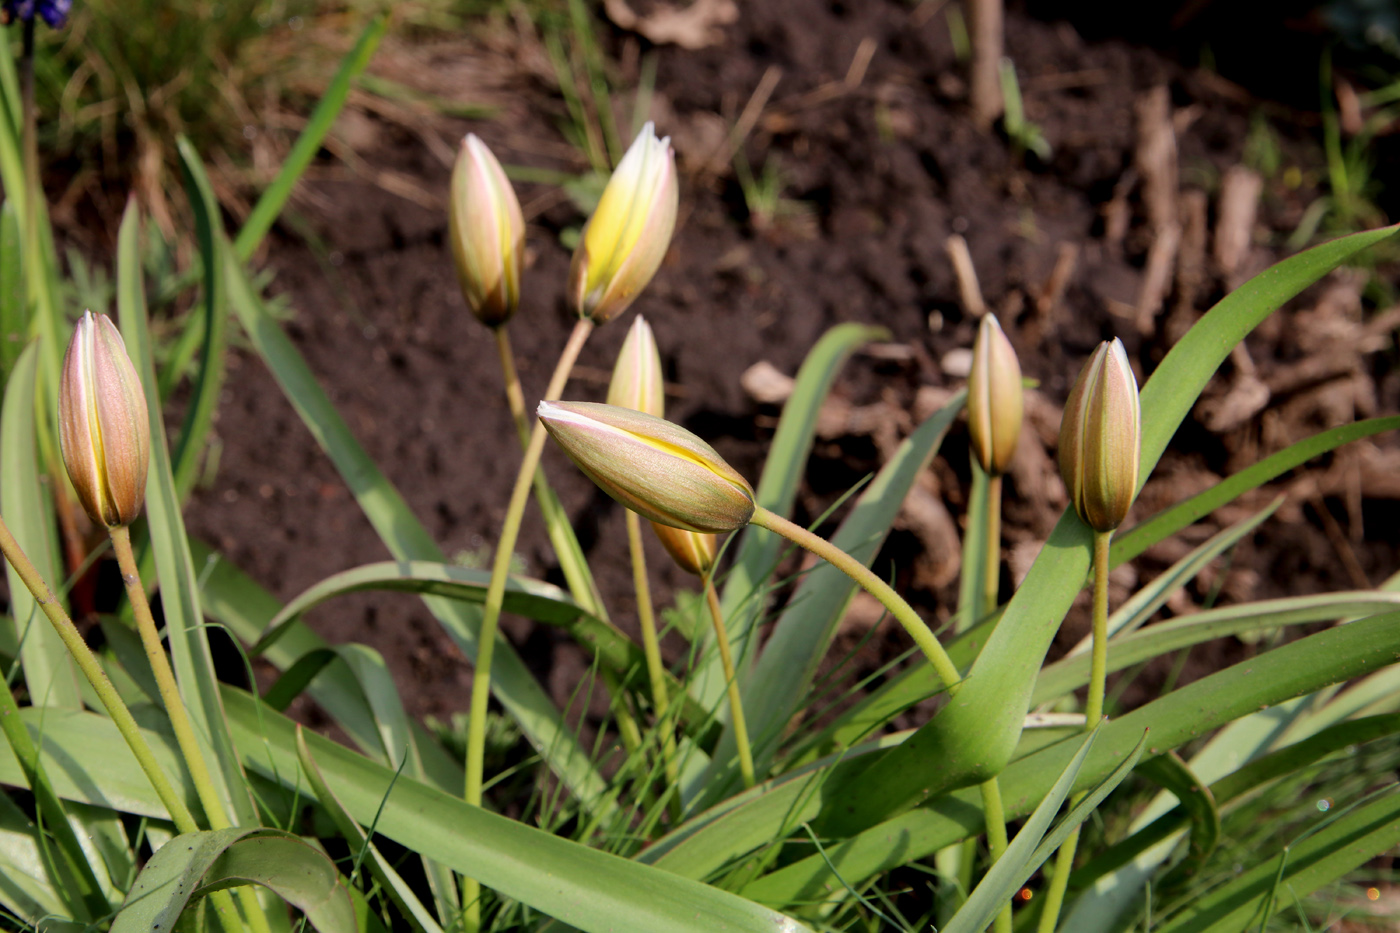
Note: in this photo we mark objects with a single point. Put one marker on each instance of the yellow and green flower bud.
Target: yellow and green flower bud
(693, 551)
(104, 431)
(995, 399)
(628, 235)
(1101, 439)
(636, 378)
(487, 232)
(657, 469)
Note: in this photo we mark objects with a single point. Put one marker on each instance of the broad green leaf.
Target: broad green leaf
(87, 760)
(404, 898)
(195, 864)
(26, 504)
(1342, 844)
(270, 205)
(745, 590)
(717, 838)
(792, 654)
(407, 539)
(975, 734)
(204, 396)
(1031, 847)
(179, 588)
(1164, 524)
(25, 886)
(591, 890)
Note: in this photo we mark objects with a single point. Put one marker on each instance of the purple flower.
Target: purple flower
(53, 12)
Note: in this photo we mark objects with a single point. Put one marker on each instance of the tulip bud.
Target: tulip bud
(692, 551)
(636, 379)
(1101, 439)
(994, 398)
(104, 431)
(657, 469)
(487, 232)
(628, 235)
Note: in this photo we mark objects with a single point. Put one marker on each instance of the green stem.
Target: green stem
(1093, 715)
(495, 599)
(736, 703)
(651, 648)
(111, 700)
(923, 636)
(995, 818)
(991, 580)
(185, 738)
(515, 397)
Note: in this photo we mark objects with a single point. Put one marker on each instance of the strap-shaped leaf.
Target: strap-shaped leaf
(195, 864)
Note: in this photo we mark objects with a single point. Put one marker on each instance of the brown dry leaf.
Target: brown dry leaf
(694, 27)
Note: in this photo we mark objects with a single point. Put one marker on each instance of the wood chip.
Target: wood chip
(969, 291)
(1238, 209)
(1156, 156)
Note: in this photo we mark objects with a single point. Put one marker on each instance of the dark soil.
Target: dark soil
(883, 167)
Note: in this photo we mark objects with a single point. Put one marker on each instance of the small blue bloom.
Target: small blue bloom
(53, 12)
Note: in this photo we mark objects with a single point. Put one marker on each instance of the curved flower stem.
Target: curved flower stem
(923, 636)
(111, 700)
(656, 670)
(1093, 714)
(736, 703)
(495, 599)
(993, 813)
(214, 813)
(515, 397)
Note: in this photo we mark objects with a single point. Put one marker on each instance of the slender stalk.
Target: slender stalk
(515, 397)
(736, 703)
(1093, 715)
(111, 700)
(992, 811)
(495, 599)
(923, 636)
(651, 648)
(185, 738)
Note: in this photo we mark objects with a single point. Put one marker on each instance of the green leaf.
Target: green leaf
(402, 895)
(270, 205)
(195, 864)
(204, 397)
(48, 670)
(731, 831)
(14, 318)
(179, 589)
(972, 738)
(790, 658)
(745, 590)
(407, 539)
(592, 890)
(1031, 847)
(972, 583)
(1340, 845)
(1164, 524)
(1171, 774)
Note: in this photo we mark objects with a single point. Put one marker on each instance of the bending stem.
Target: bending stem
(736, 703)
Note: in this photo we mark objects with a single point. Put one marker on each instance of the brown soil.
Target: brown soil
(883, 163)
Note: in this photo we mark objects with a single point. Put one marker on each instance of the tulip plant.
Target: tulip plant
(141, 794)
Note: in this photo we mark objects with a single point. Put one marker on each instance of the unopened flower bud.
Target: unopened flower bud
(628, 235)
(487, 232)
(692, 551)
(1101, 439)
(657, 469)
(994, 398)
(636, 378)
(104, 431)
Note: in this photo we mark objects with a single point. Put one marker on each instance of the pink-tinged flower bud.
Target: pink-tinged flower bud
(636, 378)
(1101, 439)
(487, 232)
(657, 469)
(104, 431)
(692, 551)
(994, 398)
(628, 235)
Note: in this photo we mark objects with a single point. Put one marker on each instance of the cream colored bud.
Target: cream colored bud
(657, 469)
(487, 232)
(692, 551)
(636, 378)
(104, 428)
(995, 398)
(1101, 439)
(628, 235)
